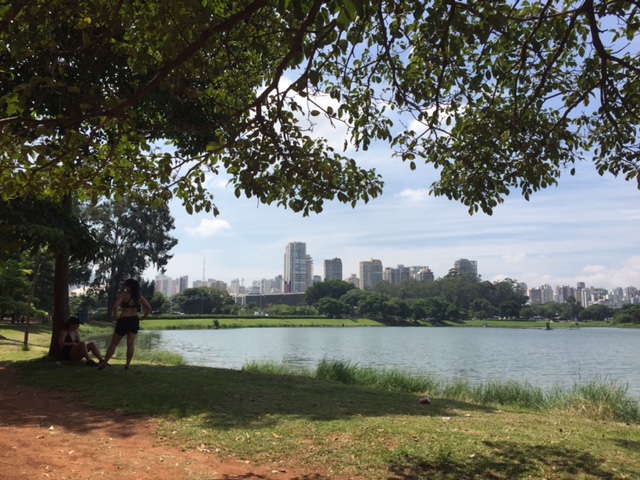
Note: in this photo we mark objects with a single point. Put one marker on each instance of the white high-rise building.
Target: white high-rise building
(298, 268)
(371, 274)
(166, 285)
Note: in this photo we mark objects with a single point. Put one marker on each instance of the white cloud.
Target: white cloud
(209, 228)
(593, 269)
(414, 195)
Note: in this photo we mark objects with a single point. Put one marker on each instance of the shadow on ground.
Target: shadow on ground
(224, 398)
(508, 460)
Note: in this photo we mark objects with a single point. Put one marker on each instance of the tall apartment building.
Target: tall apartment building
(585, 298)
(277, 284)
(424, 274)
(309, 270)
(236, 287)
(466, 267)
(353, 280)
(165, 285)
(546, 292)
(631, 295)
(169, 286)
(535, 296)
(541, 295)
(333, 269)
(563, 292)
(370, 274)
(212, 283)
(268, 285)
(298, 268)
(396, 276)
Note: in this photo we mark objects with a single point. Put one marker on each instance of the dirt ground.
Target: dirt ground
(44, 435)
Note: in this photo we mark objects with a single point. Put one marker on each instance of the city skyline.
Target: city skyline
(372, 272)
(594, 273)
(298, 264)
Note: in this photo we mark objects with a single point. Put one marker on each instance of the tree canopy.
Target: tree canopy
(133, 235)
(202, 300)
(497, 96)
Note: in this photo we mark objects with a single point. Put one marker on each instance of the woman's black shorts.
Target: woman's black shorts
(65, 353)
(126, 325)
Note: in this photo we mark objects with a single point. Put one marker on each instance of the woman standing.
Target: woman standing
(72, 348)
(128, 323)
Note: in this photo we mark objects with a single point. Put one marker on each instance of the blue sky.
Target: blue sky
(586, 229)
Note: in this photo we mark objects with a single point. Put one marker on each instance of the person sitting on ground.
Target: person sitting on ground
(74, 349)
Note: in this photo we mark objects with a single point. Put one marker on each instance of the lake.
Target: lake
(543, 358)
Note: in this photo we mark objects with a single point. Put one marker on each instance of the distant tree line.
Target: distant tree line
(452, 298)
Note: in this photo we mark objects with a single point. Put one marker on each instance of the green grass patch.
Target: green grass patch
(597, 399)
(351, 430)
(539, 324)
(258, 322)
(343, 420)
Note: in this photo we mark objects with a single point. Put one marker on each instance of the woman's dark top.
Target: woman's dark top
(132, 303)
(65, 353)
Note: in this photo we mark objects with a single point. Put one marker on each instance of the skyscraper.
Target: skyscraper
(333, 269)
(370, 274)
(466, 267)
(298, 268)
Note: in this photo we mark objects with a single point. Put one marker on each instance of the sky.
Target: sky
(587, 229)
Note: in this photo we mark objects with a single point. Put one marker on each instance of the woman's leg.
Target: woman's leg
(93, 348)
(131, 346)
(78, 351)
(115, 340)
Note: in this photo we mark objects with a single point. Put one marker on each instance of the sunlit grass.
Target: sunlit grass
(596, 399)
(157, 357)
(371, 427)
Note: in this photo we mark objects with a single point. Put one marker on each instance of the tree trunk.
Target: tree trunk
(60, 290)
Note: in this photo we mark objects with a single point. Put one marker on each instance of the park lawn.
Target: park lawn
(341, 430)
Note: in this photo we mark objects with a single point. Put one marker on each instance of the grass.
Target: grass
(596, 399)
(258, 322)
(345, 421)
(540, 324)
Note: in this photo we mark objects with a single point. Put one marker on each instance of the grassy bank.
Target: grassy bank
(540, 324)
(349, 422)
(258, 322)
(187, 323)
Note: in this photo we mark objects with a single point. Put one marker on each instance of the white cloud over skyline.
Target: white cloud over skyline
(209, 228)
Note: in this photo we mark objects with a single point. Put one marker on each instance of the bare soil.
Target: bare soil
(45, 434)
